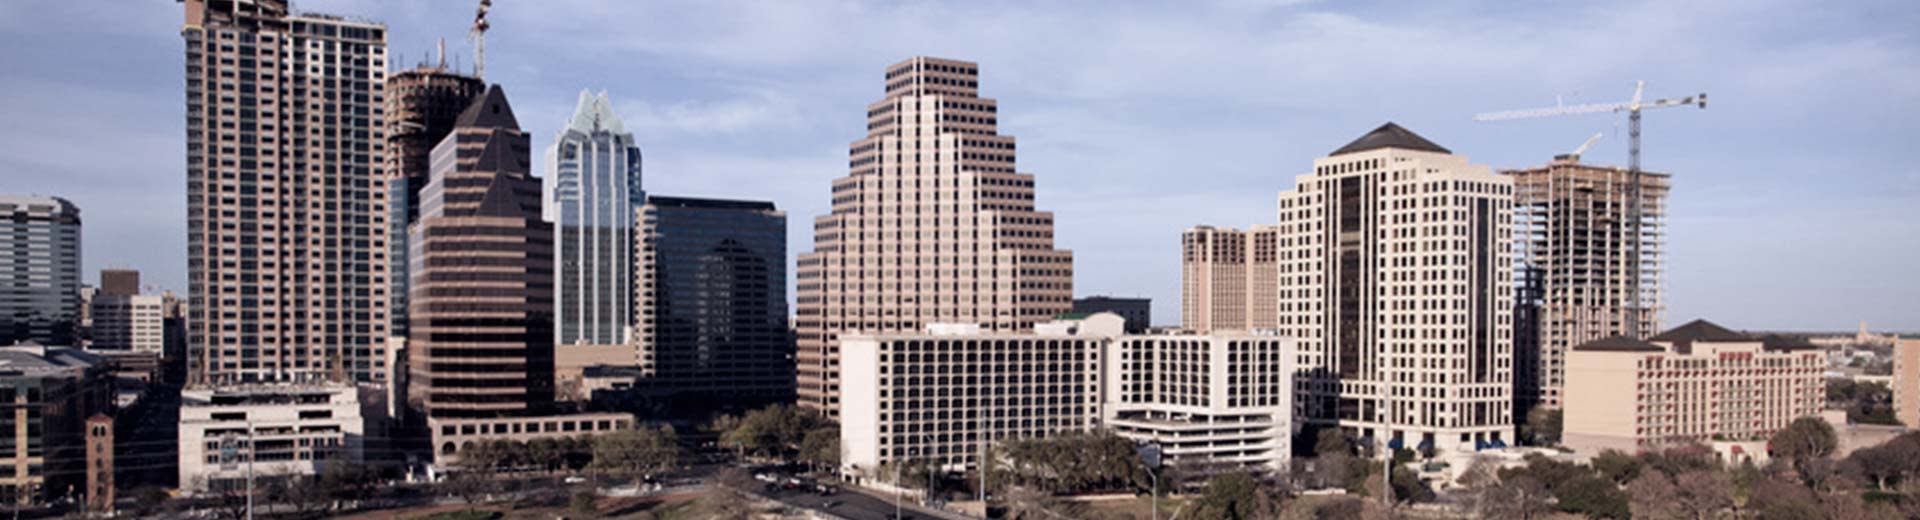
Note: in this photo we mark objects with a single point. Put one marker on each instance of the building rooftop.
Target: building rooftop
(1618, 344)
(1784, 342)
(490, 110)
(30, 359)
(1390, 135)
(1699, 330)
(690, 202)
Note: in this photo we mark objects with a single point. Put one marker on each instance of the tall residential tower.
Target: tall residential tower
(593, 188)
(286, 228)
(1228, 278)
(932, 224)
(1396, 280)
(1572, 226)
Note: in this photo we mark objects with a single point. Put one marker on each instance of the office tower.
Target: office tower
(120, 282)
(1137, 311)
(1697, 383)
(39, 270)
(1228, 279)
(931, 224)
(482, 274)
(422, 104)
(1575, 246)
(286, 230)
(135, 322)
(593, 189)
(1396, 280)
(713, 298)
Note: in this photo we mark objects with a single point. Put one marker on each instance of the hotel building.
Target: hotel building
(1229, 279)
(39, 270)
(286, 219)
(1396, 282)
(932, 224)
(593, 189)
(1214, 403)
(1576, 272)
(1696, 383)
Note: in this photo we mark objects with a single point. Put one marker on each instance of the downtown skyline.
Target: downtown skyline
(1788, 209)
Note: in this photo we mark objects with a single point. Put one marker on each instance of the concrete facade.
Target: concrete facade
(1214, 403)
(932, 224)
(1906, 381)
(281, 430)
(1396, 281)
(1228, 279)
(134, 323)
(1696, 383)
(286, 199)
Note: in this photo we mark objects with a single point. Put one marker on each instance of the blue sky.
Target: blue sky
(1792, 206)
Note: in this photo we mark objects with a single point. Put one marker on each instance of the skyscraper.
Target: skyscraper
(39, 270)
(932, 224)
(1396, 279)
(1575, 248)
(482, 270)
(422, 104)
(592, 191)
(286, 231)
(1228, 280)
(713, 298)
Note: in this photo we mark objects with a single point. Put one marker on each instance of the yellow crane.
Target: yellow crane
(1632, 107)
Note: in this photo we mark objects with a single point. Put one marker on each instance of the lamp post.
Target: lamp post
(1150, 457)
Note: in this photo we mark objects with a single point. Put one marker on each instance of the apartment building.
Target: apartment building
(1214, 403)
(286, 199)
(1698, 382)
(932, 224)
(1396, 282)
(1577, 273)
(1229, 279)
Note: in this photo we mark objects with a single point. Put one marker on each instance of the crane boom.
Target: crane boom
(478, 35)
(1589, 144)
(1632, 107)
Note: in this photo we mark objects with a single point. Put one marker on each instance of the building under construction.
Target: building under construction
(1574, 238)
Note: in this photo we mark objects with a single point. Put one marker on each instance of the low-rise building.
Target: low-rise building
(454, 435)
(1699, 382)
(48, 393)
(277, 430)
(1212, 402)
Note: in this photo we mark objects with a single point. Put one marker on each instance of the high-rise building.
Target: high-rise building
(1696, 383)
(713, 298)
(1228, 279)
(1906, 380)
(1396, 280)
(1576, 268)
(422, 104)
(135, 322)
(593, 188)
(482, 274)
(286, 226)
(932, 224)
(121, 282)
(1137, 311)
(39, 270)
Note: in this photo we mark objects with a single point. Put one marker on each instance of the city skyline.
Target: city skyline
(735, 114)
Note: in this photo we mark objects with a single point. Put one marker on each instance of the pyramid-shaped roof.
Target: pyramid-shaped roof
(490, 110)
(1618, 344)
(1699, 330)
(1390, 135)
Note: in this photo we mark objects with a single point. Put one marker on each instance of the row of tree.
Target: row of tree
(783, 432)
(628, 453)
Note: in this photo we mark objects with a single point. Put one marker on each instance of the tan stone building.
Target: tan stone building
(932, 224)
(1696, 383)
(1906, 380)
(1229, 279)
(286, 224)
(1575, 248)
(1396, 280)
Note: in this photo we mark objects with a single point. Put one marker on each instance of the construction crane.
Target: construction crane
(1575, 156)
(478, 35)
(1632, 108)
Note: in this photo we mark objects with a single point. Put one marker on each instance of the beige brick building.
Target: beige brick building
(1395, 277)
(1229, 279)
(1696, 383)
(1906, 380)
(932, 224)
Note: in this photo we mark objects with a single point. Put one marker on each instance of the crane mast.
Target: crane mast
(478, 35)
(1633, 108)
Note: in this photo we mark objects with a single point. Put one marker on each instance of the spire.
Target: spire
(595, 113)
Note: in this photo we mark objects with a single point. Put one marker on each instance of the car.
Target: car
(766, 477)
(574, 479)
(825, 490)
(830, 504)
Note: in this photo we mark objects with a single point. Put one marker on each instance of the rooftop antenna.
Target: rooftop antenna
(443, 53)
(478, 35)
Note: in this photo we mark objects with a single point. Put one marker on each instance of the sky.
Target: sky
(1793, 206)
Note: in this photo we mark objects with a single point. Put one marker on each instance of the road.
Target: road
(850, 505)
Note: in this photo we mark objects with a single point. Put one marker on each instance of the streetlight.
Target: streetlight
(1150, 456)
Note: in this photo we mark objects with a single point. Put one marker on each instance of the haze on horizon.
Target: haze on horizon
(1792, 209)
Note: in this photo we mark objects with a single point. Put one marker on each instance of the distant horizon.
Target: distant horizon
(1792, 206)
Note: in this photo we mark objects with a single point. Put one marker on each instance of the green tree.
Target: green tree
(1331, 441)
(821, 447)
(1804, 439)
(1234, 496)
(1617, 466)
(1593, 496)
(774, 431)
(1518, 498)
(1543, 426)
(1408, 488)
(636, 453)
(1547, 471)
